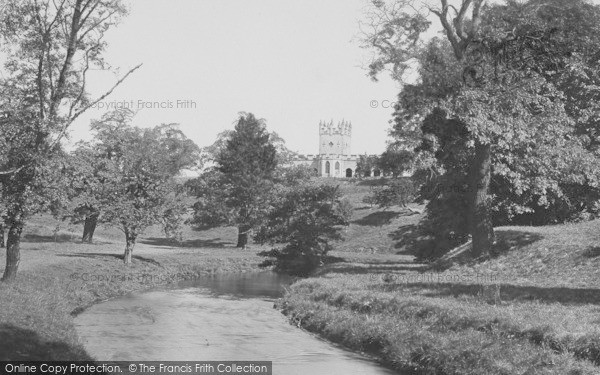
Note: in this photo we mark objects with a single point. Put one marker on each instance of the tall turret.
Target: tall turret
(335, 139)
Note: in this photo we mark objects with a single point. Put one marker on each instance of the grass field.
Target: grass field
(532, 309)
(59, 277)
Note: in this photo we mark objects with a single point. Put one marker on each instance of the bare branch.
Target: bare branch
(449, 29)
(92, 27)
(91, 104)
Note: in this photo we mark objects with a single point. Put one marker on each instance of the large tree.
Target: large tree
(134, 184)
(495, 74)
(237, 190)
(49, 47)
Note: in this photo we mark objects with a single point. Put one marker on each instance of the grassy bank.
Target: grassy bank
(532, 309)
(59, 277)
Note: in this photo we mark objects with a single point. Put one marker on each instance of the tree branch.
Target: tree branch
(460, 19)
(450, 32)
(476, 21)
(91, 104)
(71, 46)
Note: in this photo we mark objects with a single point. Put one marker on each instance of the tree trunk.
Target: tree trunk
(482, 231)
(243, 236)
(130, 238)
(89, 228)
(13, 251)
(1, 235)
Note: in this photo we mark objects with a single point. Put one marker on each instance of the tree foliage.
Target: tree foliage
(365, 165)
(395, 160)
(49, 47)
(396, 192)
(128, 175)
(236, 191)
(496, 114)
(304, 219)
(211, 153)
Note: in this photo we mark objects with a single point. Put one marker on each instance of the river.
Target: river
(221, 318)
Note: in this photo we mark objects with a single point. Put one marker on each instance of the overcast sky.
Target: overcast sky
(292, 63)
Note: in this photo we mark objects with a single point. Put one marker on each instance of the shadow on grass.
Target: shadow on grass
(331, 259)
(373, 181)
(379, 181)
(406, 237)
(507, 292)
(44, 239)
(156, 241)
(379, 218)
(19, 344)
(409, 240)
(374, 269)
(508, 240)
(106, 255)
(592, 252)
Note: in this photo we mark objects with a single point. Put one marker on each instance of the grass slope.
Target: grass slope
(530, 309)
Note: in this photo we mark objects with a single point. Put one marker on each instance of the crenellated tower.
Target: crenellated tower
(335, 139)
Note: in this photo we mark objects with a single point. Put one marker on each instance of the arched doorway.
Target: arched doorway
(348, 172)
(376, 173)
(327, 168)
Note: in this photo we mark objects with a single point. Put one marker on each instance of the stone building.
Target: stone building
(335, 158)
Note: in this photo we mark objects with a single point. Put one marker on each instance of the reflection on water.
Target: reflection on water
(243, 285)
(222, 318)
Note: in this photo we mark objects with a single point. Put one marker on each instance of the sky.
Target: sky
(293, 63)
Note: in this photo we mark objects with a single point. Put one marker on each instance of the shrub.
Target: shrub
(303, 219)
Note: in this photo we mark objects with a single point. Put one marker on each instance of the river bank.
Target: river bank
(60, 277)
(532, 309)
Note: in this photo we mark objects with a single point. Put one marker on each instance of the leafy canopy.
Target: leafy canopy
(236, 191)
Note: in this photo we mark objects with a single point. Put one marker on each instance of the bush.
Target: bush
(398, 192)
(303, 219)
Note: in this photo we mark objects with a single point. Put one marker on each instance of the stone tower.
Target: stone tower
(335, 139)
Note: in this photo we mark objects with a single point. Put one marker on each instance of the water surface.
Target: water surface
(223, 318)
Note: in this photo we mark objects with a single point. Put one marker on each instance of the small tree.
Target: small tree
(398, 192)
(395, 160)
(305, 219)
(82, 186)
(134, 185)
(365, 164)
(238, 190)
